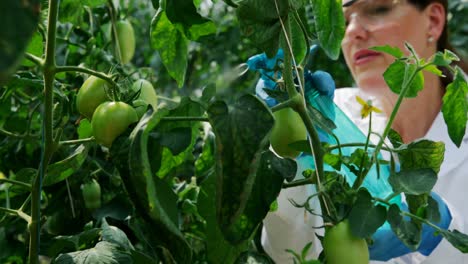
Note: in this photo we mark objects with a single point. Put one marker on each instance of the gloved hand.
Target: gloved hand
(320, 81)
(385, 239)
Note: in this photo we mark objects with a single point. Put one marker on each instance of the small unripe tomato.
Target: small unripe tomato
(341, 246)
(126, 40)
(91, 94)
(288, 128)
(147, 92)
(91, 192)
(110, 120)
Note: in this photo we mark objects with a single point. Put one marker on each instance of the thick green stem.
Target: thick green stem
(77, 141)
(47, 140)
(300, 107)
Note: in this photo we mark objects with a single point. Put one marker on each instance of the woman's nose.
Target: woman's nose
(355, 28)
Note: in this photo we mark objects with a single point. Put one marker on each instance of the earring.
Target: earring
(430, 39)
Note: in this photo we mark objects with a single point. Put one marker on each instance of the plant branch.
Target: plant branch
(36, 60)
(300, 182)
(86, 70)
(19, 213)
(76, 141)
(19, 183)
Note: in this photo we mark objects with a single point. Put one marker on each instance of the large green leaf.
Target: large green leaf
(413, 181)
(103, 253)
(421, 154)
(61, 170)
(408, 232)
(172, 44)
(457, 239)
(397, 75)
(19, 20)
(365, 217)
(219, 250)
(114, 235)
(153, 198)
(455, 107)
(259, 20)
(329, 25)
(241, 134)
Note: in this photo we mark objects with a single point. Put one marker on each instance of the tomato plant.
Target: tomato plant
(110, 119)
(288, 128)
(341, 246)
(191, 180)
(91, 94)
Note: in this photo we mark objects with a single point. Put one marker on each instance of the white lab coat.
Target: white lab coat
(292, 228)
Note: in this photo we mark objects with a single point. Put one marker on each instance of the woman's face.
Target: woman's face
(376, 23)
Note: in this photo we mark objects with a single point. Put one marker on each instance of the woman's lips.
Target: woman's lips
(364, 56)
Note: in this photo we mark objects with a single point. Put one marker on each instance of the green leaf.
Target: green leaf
(408, 232)
(365, 218)
(71, 11)
(395, 138)
(152, 197)
(219, 250)
(185, 13)
(396, 80)
(19, 20)
(103, 253)
(394, 51)
(433, 69)
(413, 181)
(259, 20)
(329, 25)
(444, 59)
(84, 129)
(457, 239)
(298, 40)
(455, 107)
(61, 170)
(172, 44)
(241, 134)
(421, 154)
(114, 235)
(85, 239)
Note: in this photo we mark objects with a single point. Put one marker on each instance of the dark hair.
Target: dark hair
(443, 43)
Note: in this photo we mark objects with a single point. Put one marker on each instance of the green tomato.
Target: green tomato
(126, 40)
(288, 128)
(147, 92)
(91, 94)
(341, 246)
(91, 192)
(110, 120)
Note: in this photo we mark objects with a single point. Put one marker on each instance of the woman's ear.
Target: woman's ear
(437, 19)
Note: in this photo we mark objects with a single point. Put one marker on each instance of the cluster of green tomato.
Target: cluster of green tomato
(110, 119)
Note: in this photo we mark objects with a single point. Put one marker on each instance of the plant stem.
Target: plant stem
(47, 140)
(36, 60)
(299, 182)
(19, 183)
(77, 141)
(86, 70)
(19, 213)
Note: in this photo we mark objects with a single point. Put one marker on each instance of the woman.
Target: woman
(370, 23)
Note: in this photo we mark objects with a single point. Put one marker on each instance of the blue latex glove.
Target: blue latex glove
(385, 239)
(319, 80)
